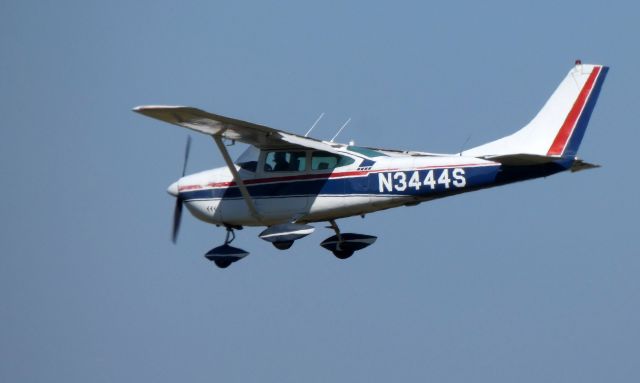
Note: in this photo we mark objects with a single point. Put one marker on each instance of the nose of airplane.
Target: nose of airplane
(173, 189)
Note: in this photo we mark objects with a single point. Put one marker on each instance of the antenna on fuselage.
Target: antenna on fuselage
(463, 145)
(343, 125)
(314, 124)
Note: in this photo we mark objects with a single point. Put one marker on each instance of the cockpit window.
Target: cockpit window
(328, 161)
(283, 161)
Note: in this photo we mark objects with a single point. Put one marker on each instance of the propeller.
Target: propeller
(177, 211)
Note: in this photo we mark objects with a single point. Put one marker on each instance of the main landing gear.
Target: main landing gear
(282, 236)
(343, 245)
(223, 256)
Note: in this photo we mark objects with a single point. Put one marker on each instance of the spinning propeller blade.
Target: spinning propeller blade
(177, 216)
(187, 149)
(177, 212)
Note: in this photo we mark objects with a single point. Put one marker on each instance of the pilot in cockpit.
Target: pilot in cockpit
(281, 163)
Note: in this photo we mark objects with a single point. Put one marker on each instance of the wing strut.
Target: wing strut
(236, 177)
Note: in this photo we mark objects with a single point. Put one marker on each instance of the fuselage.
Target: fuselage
(309, 192)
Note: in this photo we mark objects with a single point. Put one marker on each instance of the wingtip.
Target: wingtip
(141, 108)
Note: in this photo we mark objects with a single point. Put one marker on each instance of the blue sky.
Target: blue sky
(531, 282)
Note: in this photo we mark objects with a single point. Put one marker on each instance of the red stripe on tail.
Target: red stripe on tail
(570, 122)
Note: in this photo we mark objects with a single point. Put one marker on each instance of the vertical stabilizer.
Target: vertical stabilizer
(559, 126)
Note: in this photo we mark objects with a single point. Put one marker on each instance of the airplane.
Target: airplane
(285, 182)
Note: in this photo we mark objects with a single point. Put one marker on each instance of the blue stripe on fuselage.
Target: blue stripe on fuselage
(401, 185)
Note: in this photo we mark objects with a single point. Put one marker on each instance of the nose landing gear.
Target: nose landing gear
(223, 256)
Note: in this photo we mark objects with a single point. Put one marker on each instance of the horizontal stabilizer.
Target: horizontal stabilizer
(521, 159)
(579, 165)
(532, 159)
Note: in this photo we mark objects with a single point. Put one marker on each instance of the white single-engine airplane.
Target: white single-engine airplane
(285, 181)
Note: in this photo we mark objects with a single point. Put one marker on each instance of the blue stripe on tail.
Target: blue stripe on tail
(581, 126)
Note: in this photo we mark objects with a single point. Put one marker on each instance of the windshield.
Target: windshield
(248, 160)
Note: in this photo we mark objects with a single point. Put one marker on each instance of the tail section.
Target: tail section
(558, 128)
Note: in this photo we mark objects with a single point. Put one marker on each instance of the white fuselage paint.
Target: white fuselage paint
(395, 173)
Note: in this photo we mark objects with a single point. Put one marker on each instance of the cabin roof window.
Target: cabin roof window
(366, 151)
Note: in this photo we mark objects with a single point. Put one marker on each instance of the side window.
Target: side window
(285, 162)
(328, 161)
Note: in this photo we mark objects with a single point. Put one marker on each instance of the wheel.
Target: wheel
(223, 264)
(283, 245)
(343, 254)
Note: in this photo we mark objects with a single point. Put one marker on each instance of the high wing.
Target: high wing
(225, 127)
(219, 127)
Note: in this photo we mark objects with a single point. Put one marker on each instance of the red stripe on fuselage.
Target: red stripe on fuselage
(321, 176)
(572, 118)
(290, 178)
